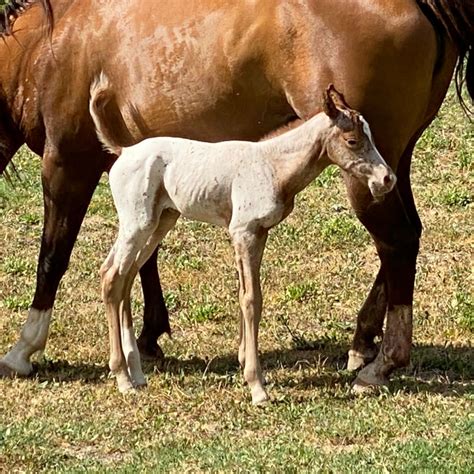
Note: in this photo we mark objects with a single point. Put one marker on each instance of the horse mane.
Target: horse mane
(14, 8)
(456, 17)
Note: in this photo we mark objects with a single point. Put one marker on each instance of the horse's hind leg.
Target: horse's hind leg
(155, 315)
(67, 193)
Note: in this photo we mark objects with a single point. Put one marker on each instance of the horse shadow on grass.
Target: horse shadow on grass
(445, 370)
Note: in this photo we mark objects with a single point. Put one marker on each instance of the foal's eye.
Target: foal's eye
(351, 141)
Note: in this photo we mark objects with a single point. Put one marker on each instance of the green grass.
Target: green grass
(196, 414)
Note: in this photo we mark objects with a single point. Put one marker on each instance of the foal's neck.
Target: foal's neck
(300, 155)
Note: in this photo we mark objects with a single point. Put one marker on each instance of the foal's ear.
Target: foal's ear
(338, 98)
(329, 106)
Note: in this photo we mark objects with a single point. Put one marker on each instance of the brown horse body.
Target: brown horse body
(215, 70)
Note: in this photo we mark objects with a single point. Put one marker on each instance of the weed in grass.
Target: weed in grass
(465, 159)
(184, 261)
(455, 197)
(14, 265)
(171, 300)
(30, 219)
(202, 312)
(462, 305)
(342, 229)
(17, 303)
(300, 291)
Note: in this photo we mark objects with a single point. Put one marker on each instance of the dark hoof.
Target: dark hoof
(7, 372)
(150, 352)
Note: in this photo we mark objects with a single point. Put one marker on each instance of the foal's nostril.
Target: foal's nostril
(387, 179)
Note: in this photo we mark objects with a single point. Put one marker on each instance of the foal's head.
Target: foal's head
(350, 145)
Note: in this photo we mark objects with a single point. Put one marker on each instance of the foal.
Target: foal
(244, 186)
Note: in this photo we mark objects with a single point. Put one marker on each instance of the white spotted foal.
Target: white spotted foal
(246, 187)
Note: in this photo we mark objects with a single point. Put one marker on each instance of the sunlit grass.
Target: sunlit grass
(196, 414)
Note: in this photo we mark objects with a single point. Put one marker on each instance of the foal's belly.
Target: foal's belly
(203, 210)
(198, 195)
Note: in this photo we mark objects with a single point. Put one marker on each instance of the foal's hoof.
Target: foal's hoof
(260, 398)
(126, 388)
(150, 352)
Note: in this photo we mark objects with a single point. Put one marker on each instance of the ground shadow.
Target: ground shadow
(64, 371)
(446, 370)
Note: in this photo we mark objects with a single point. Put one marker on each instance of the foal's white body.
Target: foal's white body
(246, 187)
(227, 184)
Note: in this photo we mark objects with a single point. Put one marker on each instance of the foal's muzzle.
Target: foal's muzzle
(382, 181)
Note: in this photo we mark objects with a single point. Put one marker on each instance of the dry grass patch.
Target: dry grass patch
(195, 415)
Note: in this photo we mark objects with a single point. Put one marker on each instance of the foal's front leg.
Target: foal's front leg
(249, 247)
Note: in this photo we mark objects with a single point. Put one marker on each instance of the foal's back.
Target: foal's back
(209, 182)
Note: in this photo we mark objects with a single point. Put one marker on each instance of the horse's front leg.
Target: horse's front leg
(369, 325)
(372, 314)
(397, 242)
(67, 191)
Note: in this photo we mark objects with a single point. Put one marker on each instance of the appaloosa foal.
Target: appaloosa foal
(243, 186)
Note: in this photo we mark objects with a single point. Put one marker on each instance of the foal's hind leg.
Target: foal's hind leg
(67, 191)
(154, 319)
(129, 254)
(117, 274)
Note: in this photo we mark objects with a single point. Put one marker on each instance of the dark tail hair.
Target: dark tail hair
(108, 119)
(457, 19)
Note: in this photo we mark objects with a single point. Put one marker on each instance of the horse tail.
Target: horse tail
(108, 119)
(456, 17)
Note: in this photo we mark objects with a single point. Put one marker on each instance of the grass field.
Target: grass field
(196, 414)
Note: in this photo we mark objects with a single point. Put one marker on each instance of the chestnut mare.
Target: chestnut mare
(217, 70)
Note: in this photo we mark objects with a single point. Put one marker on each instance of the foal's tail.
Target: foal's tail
(108, 119)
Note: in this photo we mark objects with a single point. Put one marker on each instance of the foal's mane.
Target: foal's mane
(14, 8)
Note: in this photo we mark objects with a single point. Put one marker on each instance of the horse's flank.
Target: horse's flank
(453, 17)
